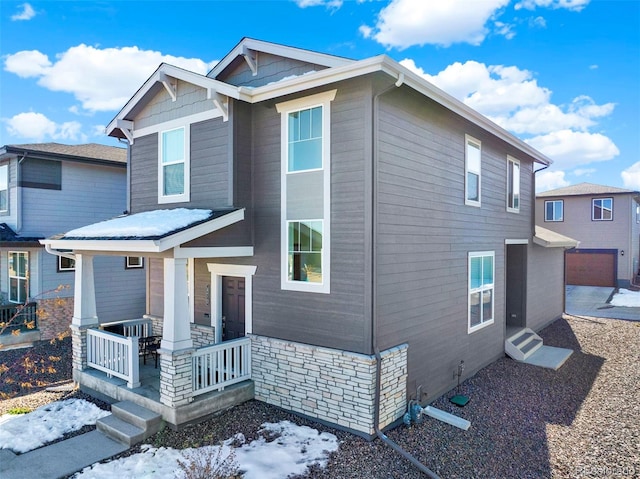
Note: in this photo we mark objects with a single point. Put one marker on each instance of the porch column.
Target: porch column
(84, 309)
(176, 347)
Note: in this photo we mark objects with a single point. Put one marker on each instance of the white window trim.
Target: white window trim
(593, 209)
(554, 210)
(61, 269)
(25, 278)
(5, 168)
(511, 159)
(469, 139)
(128, 265)
(217, 271)
(185, 196)
(321, 99)
(484, 324)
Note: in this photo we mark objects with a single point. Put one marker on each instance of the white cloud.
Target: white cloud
(538, 22)
(574, 5)
(404, 23)
(330, 4)
(631, 176)
(505, 29)
(101, 79)
(550, 180)
(569, 149)
(37, 127)
(584, 171)
(27, 13)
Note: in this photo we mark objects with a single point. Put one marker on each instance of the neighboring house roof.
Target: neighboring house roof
(9, 238)
(586, 189)
(551, 239)
(147, 232)
(92, 152)
(122, 125)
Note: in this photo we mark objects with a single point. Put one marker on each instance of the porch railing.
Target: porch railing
(115, 355)
(130, 327)
(221, 365)
(22, 317)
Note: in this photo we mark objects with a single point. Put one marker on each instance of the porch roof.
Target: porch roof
(551, 239)
(147, 232)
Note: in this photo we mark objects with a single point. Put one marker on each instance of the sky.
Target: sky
(562, 75)
(296, 448)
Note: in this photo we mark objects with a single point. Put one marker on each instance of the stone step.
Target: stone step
(138, 415)
(119, 430)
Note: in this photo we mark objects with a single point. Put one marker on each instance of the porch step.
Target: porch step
(129, 423)
(522, 343)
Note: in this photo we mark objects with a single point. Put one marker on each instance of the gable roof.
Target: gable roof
(348, 70)
(92, 152)
(583, 189)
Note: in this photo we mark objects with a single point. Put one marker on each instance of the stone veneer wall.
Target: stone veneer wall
(202, 335)
(329, 384)
(54, 317)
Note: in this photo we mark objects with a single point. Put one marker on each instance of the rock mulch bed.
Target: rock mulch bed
(526, 422)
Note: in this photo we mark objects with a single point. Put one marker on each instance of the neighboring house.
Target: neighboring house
(45, 189)
(343, 231)
(606, 222)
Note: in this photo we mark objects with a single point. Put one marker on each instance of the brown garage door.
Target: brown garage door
(587, 267)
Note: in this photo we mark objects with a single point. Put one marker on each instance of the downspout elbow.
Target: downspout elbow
(55, 252)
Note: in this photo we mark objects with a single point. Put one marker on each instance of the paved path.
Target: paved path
(592, 301)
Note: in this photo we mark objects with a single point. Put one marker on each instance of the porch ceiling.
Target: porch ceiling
(150, 232)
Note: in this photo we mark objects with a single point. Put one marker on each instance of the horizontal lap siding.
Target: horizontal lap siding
(425, 233)
(545, 286)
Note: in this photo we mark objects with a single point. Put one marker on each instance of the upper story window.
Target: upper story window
(305, 251)
(472, 171)
(553, 210)
(602, 209)
(481, 289)
(513, 185)
(173, 173)
(41, 174)
(4, 188)
(305, 139)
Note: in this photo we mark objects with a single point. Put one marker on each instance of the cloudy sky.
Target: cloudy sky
(563, 75)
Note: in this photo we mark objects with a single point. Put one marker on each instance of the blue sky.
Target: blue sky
(563, 75)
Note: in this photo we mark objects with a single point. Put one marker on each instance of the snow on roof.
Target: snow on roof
(149, 224)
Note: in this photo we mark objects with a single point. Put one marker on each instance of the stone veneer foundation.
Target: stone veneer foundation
(329, 384)
(54, 317)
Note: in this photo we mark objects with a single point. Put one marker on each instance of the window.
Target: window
(513, 185)
(553, 210)
(602, 209)
(66, 264)
(305, 251)
(41, 174)
(481, 289)
(18, 276)
(134, 262)
(472, 171)
(305, 140)
(173, 174)
(4, 188)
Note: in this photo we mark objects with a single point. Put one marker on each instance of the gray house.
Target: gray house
(606, 222)
(45, 189)
(322, 234)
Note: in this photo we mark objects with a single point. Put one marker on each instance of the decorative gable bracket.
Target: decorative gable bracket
(251, 57)
(126, 127)
(221, 102)
(170, 84)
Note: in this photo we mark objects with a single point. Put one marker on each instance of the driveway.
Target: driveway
(593, 301)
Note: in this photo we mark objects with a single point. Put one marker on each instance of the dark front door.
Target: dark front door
(516, 285)
(232, 308)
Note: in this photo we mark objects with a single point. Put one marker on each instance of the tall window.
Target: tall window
(305, 139)
(472, 171)
(4, 188)
(305, 251)
(553, 210)
(513, 185)
(18, 276)
(173, 175)
(481, 289)
(602, 209)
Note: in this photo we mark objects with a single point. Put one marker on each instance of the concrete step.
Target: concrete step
(119, 430)
(522, 343)
(138, 415)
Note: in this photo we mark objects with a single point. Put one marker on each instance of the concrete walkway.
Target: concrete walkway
(592, 301)
(60, 459)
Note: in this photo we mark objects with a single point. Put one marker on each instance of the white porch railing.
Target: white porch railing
(115, 355)
(132, 327)
(215, 367)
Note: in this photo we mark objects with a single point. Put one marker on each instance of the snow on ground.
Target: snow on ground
(282, 449)
(625, 297)
(141, 225)
(22, 433)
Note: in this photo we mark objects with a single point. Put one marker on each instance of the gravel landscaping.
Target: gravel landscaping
(526, 422)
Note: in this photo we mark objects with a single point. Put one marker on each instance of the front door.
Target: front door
(516, 285)
(232, 308)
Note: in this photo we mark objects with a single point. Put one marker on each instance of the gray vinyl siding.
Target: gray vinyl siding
(425, 232)
(545, 286)
(271, 68)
